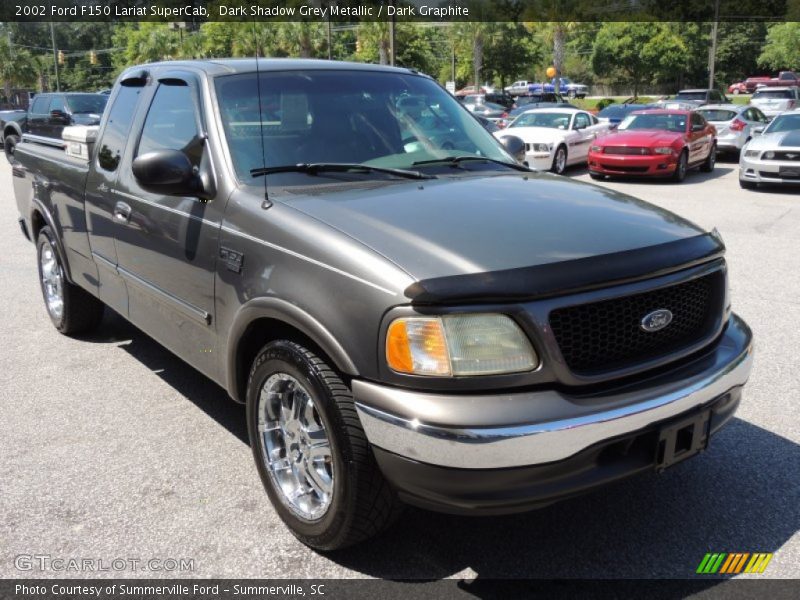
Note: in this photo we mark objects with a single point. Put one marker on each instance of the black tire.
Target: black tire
(747, 185)
(556, 168)
(362, 503)
(572, 94)
(681, 168)
(9, 146)
(710, 161)
(81, 312)
(596, 176)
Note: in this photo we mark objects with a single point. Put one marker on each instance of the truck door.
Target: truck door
(37, 115)
(99, 202)
(57, 118)
(167, 245)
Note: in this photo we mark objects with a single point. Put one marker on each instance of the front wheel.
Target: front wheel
(736, 92)
(10, 146)
(560, 160)
(711, 160)
(747, 185)
(596, 176)
(310, 450)
(681, 168)
(72, 309)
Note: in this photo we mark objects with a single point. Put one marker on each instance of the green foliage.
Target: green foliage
(638, 53)
(782, 50)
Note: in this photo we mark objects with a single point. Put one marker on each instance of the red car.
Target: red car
(740, 87)
(655, 143)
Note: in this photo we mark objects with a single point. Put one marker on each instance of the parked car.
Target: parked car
(735, 124)
(740, 87)
(540, 88)
(488, 110)
(488, 125)
(571, 89)
(774, 100)
(655, 143)
(700, 97)
(614, 113)
(774, 156)
(555, 137)
(469, 90)
(784, 79)
(502, 98)
(12, 123)
(403, 325)
(50, 113)
(532, 101)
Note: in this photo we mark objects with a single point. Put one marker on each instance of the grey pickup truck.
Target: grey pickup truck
(409, 314)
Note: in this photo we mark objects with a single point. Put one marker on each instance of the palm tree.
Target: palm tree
(371, 36)
(302, 38)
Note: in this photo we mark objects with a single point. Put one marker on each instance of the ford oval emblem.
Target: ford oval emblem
(656, 320)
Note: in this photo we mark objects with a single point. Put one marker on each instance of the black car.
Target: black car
(50, 113)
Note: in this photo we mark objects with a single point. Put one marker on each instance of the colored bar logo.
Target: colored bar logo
(724, 563)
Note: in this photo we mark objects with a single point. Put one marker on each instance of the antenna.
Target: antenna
(267, 202)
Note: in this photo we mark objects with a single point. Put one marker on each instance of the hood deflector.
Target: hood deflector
(567, 277)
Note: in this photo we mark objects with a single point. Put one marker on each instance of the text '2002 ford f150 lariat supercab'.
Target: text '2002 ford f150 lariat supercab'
(408, 313)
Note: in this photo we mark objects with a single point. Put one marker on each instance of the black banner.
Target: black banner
(349, 11)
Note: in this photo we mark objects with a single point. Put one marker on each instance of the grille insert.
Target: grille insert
(607, 335)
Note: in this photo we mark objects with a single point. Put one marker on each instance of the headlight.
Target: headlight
(541, 147)
(663, 150)
(596, 148)
(454, 345)
(751, 153)
(769, 154)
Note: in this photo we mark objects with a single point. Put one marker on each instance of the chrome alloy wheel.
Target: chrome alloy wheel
(295, 446)
(561, 160)
(52, 281)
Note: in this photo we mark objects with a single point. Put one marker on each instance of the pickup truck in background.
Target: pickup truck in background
(49, 114)
(408, 313)
(784, 78)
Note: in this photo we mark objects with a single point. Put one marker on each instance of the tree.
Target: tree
(303, 39)
(372, 42)
(782, 48)
(638, 53)
(511, 53)
(17, 68)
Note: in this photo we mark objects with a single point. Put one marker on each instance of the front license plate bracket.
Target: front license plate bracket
(682, 439)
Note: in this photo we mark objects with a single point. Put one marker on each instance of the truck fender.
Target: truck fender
(12, 127)
(37, 206)
(288, 314)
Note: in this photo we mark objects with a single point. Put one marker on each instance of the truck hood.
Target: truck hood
(479, 224)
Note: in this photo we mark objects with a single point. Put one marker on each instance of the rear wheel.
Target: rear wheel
(711, 160)
(560, 160)
(72, 309)
(681, 168)
(9, 146)
(310, 450)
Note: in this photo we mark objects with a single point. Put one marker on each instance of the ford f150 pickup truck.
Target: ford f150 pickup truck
(408, 313)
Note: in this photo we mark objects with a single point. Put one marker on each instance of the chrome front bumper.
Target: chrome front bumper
(469, 432)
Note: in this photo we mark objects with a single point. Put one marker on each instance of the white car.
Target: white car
(555, 137)
(775, 100)
(736, 124)
(774, 156)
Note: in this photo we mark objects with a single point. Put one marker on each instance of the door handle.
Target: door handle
(122, 212)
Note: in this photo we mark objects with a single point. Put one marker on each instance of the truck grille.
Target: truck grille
(608, 335)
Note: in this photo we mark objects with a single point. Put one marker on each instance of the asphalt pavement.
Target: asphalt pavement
(111, 448)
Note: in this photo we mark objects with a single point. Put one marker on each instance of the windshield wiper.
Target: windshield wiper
(455, 160)
(314, 168)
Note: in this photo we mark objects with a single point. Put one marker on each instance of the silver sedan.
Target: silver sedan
(735, 124)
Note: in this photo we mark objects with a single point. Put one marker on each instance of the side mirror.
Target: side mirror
(167, 172)
(59, 115)
(514, 146)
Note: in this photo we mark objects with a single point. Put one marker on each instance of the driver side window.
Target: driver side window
(171, 124)
(581, 121)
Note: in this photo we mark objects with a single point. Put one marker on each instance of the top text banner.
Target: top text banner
(349, 11)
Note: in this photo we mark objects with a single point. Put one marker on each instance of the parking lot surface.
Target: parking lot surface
(110, 447)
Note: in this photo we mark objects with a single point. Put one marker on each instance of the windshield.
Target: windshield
(718, 114)
(784, 123)
(551, 120)
(87, 103)
(772, 94)
(663, 122)
(690, 96)
(334, 116)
